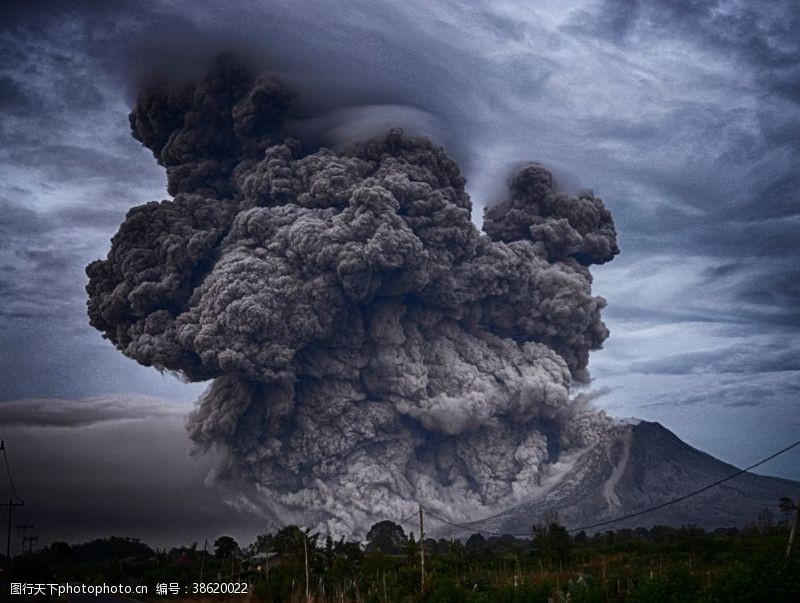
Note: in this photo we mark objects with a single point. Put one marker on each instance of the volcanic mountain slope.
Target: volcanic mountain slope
(639, 465)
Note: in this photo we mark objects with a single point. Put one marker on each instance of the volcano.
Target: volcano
(639, 465)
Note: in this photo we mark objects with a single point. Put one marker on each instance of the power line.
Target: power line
(477, 531)
(402, 521)
(629, 515)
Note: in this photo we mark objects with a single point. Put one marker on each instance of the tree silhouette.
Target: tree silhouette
(225, 546)
(386, 537)
(551, 540)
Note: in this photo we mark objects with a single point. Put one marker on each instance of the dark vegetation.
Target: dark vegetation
(642, 565)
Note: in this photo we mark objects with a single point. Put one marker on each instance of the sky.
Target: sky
(684, 116)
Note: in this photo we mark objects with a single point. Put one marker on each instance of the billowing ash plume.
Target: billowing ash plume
(369, 347)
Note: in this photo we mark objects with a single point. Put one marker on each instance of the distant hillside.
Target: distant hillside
(641, 465)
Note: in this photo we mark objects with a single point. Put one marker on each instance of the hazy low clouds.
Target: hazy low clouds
(40, 412)
(96, 467)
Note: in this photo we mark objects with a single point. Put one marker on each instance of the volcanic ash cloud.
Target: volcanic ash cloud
(368, 348)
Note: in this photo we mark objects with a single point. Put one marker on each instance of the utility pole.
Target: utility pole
(795, 527)
(421, 553)
(203, 562)
(10, 505)
(305, 554)
(31, 540)
(24, 528)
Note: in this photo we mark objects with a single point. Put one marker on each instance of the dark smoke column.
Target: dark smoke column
(368, 346)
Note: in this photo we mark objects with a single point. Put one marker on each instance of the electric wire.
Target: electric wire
(477, 531)
(402, 521)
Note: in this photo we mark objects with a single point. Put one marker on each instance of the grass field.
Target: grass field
(657, 564)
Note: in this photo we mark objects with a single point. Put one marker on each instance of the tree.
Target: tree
(115, 547)
(765, 521)
(552, 540)
(60, 552)
(287, 542)
(225, 546)
(475, 543)
(787, 507)
(264, 543)
(386, 537)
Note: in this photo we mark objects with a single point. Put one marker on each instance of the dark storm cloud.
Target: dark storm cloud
(738, 198)
(38, 253)
(394, 59)
(46, 347)
(12, 96)
(72, 63)
(41, 357)
(31, 267)
(67, 178)
(763, 35)
(775, 294)
(63, 163)
(16, 220)
(84, 216)
(127, 47)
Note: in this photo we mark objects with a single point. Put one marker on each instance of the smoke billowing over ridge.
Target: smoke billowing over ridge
(368, 346)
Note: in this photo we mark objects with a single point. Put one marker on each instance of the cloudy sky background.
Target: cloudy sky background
(683, 116)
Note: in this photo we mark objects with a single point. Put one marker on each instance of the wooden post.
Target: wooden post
(305, 553)
(10, 505)
(421, 554)
(203, 562)
(794, 529)
(8, 540)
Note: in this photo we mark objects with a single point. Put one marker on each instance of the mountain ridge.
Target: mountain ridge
(637, 466)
